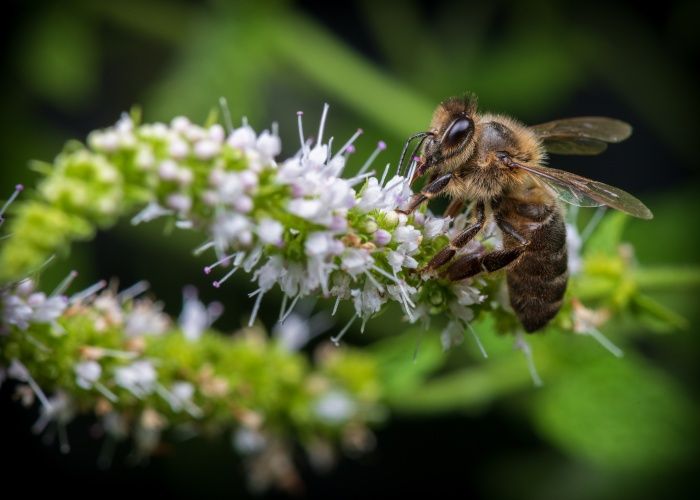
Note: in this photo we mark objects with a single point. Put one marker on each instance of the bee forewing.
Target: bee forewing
(581, 191)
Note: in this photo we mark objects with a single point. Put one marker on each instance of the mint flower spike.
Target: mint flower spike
(297, 223)
(119, 356)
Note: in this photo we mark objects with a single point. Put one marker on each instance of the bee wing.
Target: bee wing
(584, 192)
(585, 135)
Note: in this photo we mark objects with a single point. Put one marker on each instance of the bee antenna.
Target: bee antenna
(405, 148)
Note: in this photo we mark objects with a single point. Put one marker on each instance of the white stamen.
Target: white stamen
(374, 282)
(359, 178)
(106, 392)
(322, 125)
(63, 285)
(352, 139)
(88, 292)
(18, 189)
(386, 171)
(256, 307)
(133, 291)
(291, 308)
(336, 339)
(335, 306)
(605, 342)
(203, 248)
(301, 131)
(593, 223)
(220, 282)
(364, 323)
(18, 371)
(476, 338)
(283, 307)
(222, 260)
(37, 343)
(522, 345)
(381, 146)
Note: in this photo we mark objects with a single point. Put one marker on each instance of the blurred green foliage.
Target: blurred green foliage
(75, 68)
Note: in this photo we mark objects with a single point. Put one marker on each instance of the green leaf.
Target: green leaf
(319, 56)
(607, 236)
(59, 58)
(618, 414)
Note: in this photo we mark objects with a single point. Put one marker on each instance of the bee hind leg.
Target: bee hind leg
(471, 265)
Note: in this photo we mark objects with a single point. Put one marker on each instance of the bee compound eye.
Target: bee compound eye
(457, 131)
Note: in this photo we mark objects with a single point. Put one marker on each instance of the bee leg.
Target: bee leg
(470, 265)
(453, 208)
(427, 193)
(446, 254)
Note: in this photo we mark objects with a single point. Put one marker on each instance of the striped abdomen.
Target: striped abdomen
(537, 280)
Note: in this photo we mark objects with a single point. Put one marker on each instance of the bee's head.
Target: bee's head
(450, 138)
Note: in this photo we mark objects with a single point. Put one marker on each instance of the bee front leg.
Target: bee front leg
(446, 254)
(427, 193)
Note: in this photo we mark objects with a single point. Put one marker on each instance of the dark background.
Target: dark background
(71, 67)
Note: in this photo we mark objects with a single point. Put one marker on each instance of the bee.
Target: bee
(498, 164)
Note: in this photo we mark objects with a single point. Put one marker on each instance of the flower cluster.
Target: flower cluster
(141, 372)
(297, 223)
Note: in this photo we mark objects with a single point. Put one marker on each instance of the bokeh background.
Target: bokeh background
(609, 429)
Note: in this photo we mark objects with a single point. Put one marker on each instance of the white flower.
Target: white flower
(167, 170)
(466, 294)
(184, 391)
(306, 209)
(216, 133)
(87, 373)
(367, 301)
(270, 232)
(206, 149)
(248, 441)
(195, 317)
(243, 204)
(408, 237)
(152, 211)
(16, 311)
(242, 138)
(180, 124)
(320, 244)
(228, 229)
(270, 273)
(317, 156)
(269, 145)
(435, 226)
(25, 306)
(335, 407)
(180, 202)
(372, 196)
(178, 149)
(139, 378)
(382, 237)
(356, 261)
(145, 319)
(293, 333)
(46, 309)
